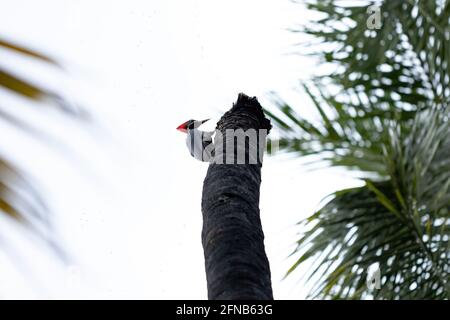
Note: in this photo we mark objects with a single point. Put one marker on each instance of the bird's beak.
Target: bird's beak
(182, 127)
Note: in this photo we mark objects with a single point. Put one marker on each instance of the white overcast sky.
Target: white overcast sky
(126, 198)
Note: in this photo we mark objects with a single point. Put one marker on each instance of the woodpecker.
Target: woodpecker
(199, 143)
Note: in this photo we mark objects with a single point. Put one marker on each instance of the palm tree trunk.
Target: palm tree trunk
(233, 241)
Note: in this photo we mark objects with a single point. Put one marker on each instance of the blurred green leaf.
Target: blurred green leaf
(20, 201)
(22, 50)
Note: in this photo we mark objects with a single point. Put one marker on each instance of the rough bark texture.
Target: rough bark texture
(233, 241)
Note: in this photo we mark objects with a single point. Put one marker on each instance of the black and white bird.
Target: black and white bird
(199, 143)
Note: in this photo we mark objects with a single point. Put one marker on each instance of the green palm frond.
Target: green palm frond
(37, 93)
(14, 83)
(339, 137)
(401, 223)
(405, 62)
(20, 201)
(382, 111)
